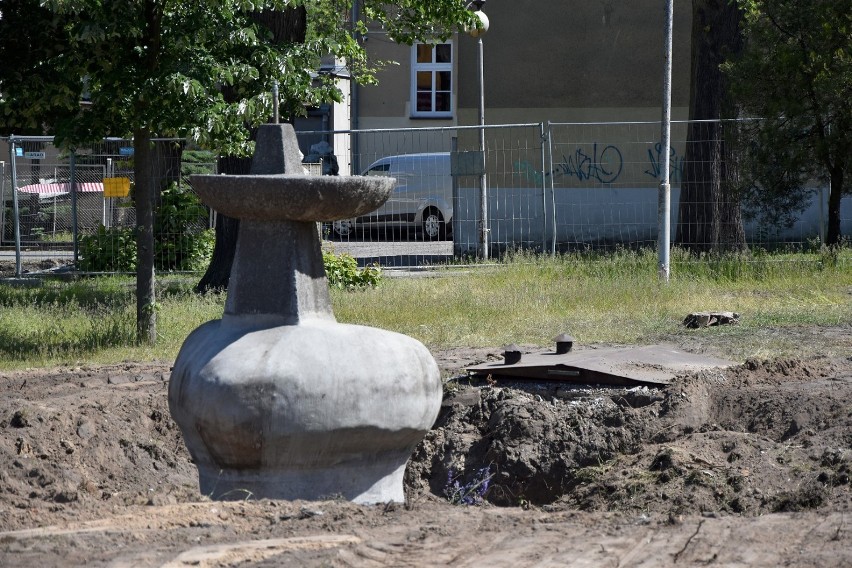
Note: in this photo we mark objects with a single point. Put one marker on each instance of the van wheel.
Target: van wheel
(434, 227)
(343, 228)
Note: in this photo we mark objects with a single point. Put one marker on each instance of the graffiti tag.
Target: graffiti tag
(604, 166)
(675, 163)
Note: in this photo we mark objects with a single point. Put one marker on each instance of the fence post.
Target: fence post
(542, 137)
(552, 190)
(483, 186)
(455, 200)
(72, 167)
(15, 213)
(664, 205)
(2, 201)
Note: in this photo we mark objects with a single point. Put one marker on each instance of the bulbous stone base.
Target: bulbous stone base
(302, 411)
(364, 482)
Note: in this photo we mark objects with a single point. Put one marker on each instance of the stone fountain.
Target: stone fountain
(276, 399)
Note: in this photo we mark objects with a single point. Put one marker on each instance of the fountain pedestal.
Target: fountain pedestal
(278, 400)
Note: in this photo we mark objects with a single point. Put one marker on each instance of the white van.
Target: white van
(422, 198)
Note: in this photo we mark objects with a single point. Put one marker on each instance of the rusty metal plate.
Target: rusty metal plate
(651, 365)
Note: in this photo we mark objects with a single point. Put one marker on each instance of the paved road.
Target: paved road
(386, 253)
(405, 253)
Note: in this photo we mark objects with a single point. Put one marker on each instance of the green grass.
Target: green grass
(614, 298)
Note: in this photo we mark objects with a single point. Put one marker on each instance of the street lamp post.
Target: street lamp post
(483, 189)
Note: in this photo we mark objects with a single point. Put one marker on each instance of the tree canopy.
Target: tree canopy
(200, 69)
(162, 64)
(795, 75)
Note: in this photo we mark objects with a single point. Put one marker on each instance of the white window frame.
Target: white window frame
(433, 68)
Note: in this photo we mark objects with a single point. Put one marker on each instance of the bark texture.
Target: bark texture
(710, 219)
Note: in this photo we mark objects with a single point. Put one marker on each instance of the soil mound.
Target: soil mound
(94, 470)
(763, 437)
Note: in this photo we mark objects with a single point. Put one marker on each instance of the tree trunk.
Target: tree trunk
(833, 235)
(287, 26)
(165, 165)
(710, 218)
(219, 271)
(145, 190)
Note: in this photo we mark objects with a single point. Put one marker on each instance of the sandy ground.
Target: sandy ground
(744, 467)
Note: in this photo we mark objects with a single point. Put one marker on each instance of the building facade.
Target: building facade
(543, 61)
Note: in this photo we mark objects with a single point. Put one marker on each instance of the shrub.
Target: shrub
(182, 240)
(181, 237)
(342, 272)
(108, 250)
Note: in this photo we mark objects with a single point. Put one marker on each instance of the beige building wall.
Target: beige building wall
(557, 61)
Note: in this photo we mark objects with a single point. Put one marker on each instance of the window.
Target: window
(432, 80)
(379, 170)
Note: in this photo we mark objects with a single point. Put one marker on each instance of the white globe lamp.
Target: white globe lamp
(483, 20)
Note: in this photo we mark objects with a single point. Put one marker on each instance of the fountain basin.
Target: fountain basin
(292, 197)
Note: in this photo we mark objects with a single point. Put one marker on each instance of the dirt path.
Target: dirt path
(747, 467)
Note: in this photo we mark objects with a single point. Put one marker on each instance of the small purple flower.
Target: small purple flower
(471, 493)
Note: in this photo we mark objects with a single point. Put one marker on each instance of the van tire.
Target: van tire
(433, 225)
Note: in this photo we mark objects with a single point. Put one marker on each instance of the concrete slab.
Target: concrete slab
(650, 365)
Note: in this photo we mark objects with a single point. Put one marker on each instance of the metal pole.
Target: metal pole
(543, 193)
(108, 212)
(552, 190)
(275, 102)
(72, 167)
(455, 201)
(483, 188)
(15, 212)
(275, 118)
(2, 201)
(664, 205)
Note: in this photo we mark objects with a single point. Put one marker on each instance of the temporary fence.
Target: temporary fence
(76, 209)
(547, 187)
(557, 187)
(435, 213)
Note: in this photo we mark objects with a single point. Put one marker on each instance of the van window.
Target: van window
(379, 170)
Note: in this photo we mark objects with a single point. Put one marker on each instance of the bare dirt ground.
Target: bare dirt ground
(744, 467)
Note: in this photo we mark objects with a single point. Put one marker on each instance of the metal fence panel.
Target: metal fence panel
(550, 187)
(605, 179)
(569, 186)
(62, 204)
(438, 173)
(605, 182)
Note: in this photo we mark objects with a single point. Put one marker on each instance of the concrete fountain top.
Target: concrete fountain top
(292, 197)
(270, 195)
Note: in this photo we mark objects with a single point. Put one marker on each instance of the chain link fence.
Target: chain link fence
(434, 214)
(558, 187)
(75, 210)
(546, 187)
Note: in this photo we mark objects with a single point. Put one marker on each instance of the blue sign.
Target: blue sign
(19, 152)
(125, 151)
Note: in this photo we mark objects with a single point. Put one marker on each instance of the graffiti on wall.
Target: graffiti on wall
(601, 163)
(655, 161)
